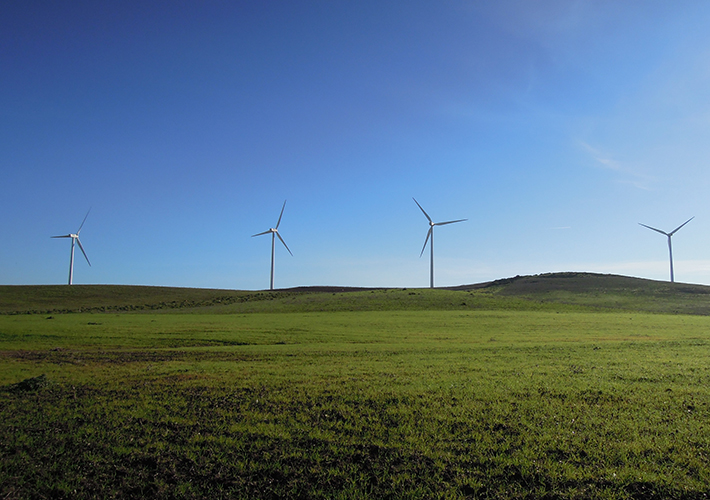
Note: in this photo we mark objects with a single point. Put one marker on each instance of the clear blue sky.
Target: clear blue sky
(555, 127)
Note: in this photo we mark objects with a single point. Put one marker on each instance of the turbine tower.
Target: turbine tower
(75, 239)
(274, 233)
(670, 247)
(429, 234)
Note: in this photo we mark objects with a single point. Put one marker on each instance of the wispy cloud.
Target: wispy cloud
(626, 173)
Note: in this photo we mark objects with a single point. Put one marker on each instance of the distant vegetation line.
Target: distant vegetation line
(554, 291)
(57, 299)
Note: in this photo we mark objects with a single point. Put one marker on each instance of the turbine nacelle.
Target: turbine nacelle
(75, 240)
(670, 246)
(430, 235)
(274, 231)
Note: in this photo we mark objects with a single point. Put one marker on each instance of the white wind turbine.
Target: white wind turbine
(75, 239)
(429, 234)
(274, 233)
(670, 248)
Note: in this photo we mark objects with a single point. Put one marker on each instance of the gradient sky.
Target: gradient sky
(555, 127)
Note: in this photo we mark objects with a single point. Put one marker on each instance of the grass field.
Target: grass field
(499, 391)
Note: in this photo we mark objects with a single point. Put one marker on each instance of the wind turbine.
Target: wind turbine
(670, 248)
(75, 239)
(430, 233)
(274, 233)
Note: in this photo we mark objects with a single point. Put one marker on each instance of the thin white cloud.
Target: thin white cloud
(627, 174)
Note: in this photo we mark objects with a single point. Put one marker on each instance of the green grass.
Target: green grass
(424, 398)
(551, 292)
(59, 299)
(47, 299)
(606, 292)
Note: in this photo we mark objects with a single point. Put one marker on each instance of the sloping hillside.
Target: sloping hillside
(555, 291)
(77, 298)
(605, 291)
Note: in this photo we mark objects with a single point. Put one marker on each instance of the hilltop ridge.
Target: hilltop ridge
(567, 290)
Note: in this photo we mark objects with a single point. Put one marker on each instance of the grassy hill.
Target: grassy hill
(555, 291)
(547, 386)
(90, 298)
(603, 291)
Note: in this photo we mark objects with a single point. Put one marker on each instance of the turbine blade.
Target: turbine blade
(420, 207)
(82, 222)
(82, 251)
(676, 229)
(282, 241)
(265, 232)
(428, 233)
(280, 215)
(449, 222)
(654, 229)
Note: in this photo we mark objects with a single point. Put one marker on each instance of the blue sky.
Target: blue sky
(554, 127)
